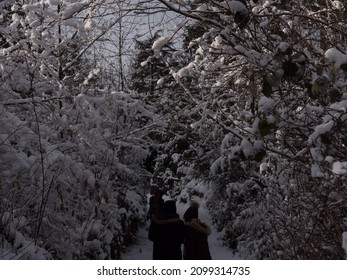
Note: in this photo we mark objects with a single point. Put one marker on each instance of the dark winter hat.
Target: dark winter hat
(169, 207)
(191, 213)
(159, 193)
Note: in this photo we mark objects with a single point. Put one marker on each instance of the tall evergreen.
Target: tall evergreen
(148, 69)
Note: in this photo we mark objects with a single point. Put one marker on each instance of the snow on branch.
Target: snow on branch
(14, 102)
(159, 44)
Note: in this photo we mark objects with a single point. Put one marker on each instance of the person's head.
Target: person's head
(158, 194)
(192, 212)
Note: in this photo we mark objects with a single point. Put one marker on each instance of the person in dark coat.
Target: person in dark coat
(156, 203)
(196, 235)
(167, 234)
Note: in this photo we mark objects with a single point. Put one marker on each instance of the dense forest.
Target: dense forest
(103, 100)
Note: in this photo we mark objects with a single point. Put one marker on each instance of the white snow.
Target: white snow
(254, 56)
(338, 5)
(344, 241)
(321, 129)
(329, 159)
(235, 6)
(161, 81)
(202, 8)
(89, 25)
(267, 4)
(90, 177)
(335, 56)
(182, 72)
(264, 23)
(72, 9)
(247, 147)
(316, 154)
(265, 104)
(218, 41)
(53, 2)
(316, 171)
(282, 47)
(339, 167)
(159, 44)
(144, 63)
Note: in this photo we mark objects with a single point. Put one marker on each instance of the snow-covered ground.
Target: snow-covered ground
(143, 249)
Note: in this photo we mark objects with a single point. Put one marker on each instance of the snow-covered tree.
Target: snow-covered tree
(71, 152)
(271, 80)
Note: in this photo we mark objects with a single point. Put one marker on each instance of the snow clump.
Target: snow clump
(340, 168)
(335, 56)
(159, 44)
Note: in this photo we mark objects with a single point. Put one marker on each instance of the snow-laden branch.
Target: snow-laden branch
(15, 102)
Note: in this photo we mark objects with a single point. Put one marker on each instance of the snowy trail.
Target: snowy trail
(143, 249)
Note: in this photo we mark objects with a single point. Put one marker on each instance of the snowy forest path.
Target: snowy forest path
(142, 250)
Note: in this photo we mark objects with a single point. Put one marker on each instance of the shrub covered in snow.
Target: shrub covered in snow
(72, 154)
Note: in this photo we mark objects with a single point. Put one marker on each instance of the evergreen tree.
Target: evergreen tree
(149, 68)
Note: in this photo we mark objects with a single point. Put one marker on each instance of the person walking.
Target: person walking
(156, 203)
(167, 233)
(196, 235)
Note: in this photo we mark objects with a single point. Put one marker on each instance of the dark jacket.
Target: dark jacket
(196, 243)
(155, 206)
(167, 234)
